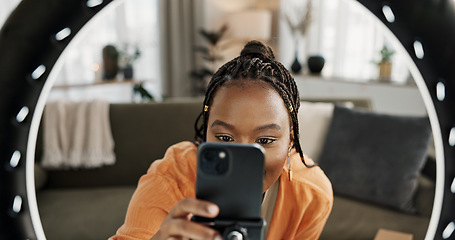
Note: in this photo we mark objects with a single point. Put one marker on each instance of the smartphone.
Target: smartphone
(231, 176)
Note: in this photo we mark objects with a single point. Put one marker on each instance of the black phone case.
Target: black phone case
(238, 191)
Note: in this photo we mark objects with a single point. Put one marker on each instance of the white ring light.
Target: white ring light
(19, 218)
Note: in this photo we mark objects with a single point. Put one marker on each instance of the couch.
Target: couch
(91, 203)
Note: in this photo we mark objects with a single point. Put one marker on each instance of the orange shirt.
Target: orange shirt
(301, 209)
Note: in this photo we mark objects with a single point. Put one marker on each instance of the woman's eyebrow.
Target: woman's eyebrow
(269, 126)
(223, 124)
(230, 126)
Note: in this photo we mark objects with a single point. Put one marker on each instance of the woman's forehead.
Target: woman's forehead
(245, 82)
(253, 100)
(247, 90)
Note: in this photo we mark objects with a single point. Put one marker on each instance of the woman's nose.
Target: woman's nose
(245, 140)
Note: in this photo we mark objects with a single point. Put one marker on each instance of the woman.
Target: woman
(251, 99)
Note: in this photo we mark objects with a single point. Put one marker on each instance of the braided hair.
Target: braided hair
(256, 62)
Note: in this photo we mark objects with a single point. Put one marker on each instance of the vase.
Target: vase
(385, 71)
(315, 64)
(128, 72)
(296, 66)
(110, 62)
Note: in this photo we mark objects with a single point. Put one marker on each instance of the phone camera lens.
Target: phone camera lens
(209, 156)
(221, 167)
(215, 162)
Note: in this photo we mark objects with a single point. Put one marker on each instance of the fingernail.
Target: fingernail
(218, 237)
(213, 210)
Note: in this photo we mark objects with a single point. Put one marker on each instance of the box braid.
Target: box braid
(256, 62)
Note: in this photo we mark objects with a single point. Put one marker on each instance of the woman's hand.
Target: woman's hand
(178, 224)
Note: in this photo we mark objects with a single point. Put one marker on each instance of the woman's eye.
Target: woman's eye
(265, 141)
(225, 138)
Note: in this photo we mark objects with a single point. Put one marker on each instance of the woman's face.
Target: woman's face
(252, 112)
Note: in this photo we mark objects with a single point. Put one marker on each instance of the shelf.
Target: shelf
(306, 77)
(105, 82)
(398, 99)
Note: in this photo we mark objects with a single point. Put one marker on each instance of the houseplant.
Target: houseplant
(210, 54)
(385, 65)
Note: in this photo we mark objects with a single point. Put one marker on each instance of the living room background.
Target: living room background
(182, 53)
(344, 35)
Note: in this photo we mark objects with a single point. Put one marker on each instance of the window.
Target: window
(126, 25)
(342, 32)
(132, 23)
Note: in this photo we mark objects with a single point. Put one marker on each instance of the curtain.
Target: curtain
(178, 24)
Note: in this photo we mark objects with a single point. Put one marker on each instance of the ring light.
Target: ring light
(37, 32)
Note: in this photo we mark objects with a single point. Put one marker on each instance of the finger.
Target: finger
(194, 207)
(180, 228)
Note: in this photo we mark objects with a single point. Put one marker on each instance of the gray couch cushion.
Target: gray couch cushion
(354, 220)
(375, 157)
(90, 214)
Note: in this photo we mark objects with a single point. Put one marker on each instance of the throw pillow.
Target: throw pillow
(375, 157)
(314, 122)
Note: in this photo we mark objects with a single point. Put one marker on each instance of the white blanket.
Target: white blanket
(77, 135)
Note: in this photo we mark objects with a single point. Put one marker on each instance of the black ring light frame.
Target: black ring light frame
(38, 31)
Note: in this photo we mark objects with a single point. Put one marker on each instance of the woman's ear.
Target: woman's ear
(291, 138)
